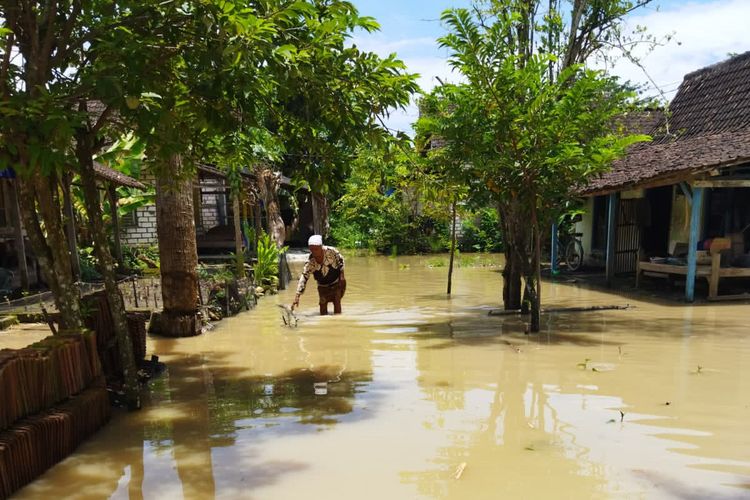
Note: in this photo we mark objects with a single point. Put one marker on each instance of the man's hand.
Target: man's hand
(295, 304)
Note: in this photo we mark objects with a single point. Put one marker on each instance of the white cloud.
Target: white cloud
(704, 33)
(429, 69)
(383, 46)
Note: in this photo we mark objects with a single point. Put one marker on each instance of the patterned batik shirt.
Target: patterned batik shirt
(326, 273)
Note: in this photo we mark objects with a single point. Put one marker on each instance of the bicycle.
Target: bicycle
(570, 250)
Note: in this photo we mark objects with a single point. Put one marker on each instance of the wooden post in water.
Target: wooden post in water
(453, 247)
(611, 236)
(695, 220)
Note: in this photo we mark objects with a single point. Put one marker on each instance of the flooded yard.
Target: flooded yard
(409, 394)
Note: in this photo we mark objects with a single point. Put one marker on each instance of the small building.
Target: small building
(214, 210)
(18, 266)
(680, 204)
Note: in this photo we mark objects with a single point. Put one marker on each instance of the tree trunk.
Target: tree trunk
(40, 205)
(20, 244)
(453, 247)
(70, 226)
(112, 194)
(294, 226)
(258, 224)
(536, 271)
(103, 255)
(238, 250)
(269, 184)
(175, 227)
(321, 223)
(513, 229)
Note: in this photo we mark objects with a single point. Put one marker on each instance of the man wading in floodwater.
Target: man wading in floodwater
(327, 265)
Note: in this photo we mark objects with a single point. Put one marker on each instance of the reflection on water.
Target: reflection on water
(390, 399)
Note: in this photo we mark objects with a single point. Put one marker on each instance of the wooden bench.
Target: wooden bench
(713, 273)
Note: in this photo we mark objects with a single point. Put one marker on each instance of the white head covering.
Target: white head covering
(315, 240)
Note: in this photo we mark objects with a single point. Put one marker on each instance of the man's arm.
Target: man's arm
(301, 284)
(341, 264)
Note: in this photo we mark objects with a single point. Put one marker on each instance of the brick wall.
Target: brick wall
(210, 204)
(144, 232)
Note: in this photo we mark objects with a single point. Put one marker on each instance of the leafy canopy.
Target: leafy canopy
(529, 134)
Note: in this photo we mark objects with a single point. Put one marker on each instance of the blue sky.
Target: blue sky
(705, 31)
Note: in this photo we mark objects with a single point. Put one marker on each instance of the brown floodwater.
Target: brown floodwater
(406, 389)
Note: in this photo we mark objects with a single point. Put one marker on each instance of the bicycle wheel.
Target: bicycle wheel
(574, 255)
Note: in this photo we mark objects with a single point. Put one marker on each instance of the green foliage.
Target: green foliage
(249, 232)
(266, 269)
(141, 259)
(89, 271)
(127, 155)
(481, 232)
(382, 209)
(531, 122)
(216, 274)
(391, 230)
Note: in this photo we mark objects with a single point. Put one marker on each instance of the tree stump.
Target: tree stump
(170, 324)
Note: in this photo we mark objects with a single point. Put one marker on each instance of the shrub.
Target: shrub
(391, 230)
(266, 269)
(482, 233)
(141, 258)
(89, 271)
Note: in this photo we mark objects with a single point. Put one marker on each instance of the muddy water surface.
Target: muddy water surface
(412, 395)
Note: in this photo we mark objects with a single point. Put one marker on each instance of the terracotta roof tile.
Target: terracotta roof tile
(651, 162)
(709, 125)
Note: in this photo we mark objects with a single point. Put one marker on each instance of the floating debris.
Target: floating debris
(460, 470)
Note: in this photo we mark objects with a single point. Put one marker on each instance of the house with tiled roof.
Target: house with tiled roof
(679, 206)
(18, 264)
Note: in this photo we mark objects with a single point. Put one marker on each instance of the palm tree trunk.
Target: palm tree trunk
(175, 227)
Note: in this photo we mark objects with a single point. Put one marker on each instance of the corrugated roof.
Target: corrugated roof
(709, 127)
(111, 175)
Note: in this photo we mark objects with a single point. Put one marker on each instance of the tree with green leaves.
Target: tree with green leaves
(244, 81)
(531, 120)
(46, 127)
(330, 98)
(186, 74)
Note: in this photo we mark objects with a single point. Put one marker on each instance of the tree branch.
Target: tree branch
(5, 68)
